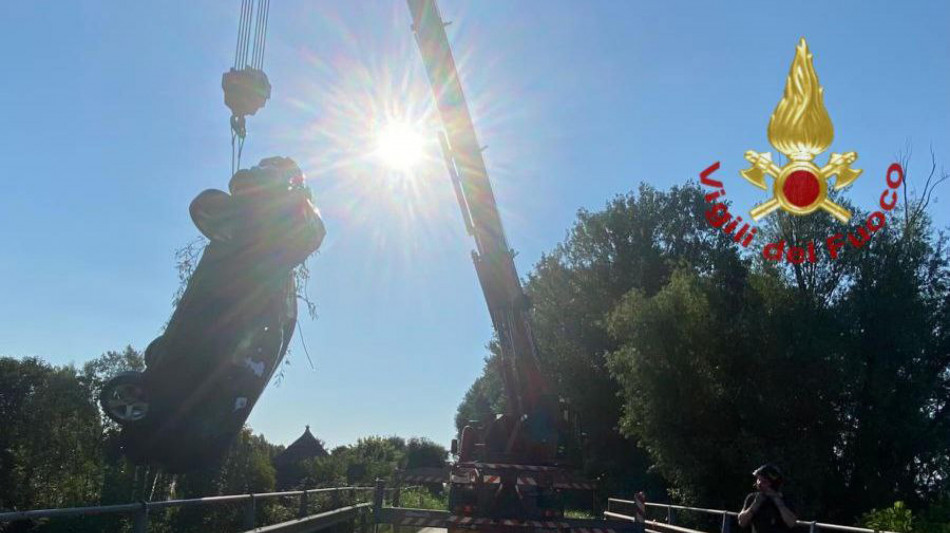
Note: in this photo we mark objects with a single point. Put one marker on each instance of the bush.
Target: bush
(897, 518)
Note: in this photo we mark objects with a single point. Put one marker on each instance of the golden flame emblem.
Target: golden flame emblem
(801, 129)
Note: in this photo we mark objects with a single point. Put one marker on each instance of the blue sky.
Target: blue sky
(114, 120)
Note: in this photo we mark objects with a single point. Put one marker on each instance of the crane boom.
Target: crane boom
(536, 434)
(494, 261)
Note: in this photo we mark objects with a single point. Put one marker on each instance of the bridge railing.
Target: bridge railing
(727, 519)
(139, 512)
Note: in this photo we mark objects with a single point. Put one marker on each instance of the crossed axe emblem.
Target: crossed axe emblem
(801, 187)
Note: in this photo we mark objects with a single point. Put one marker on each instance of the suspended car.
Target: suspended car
(231, 327)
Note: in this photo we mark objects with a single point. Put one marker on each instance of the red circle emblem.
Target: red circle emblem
(801, 188)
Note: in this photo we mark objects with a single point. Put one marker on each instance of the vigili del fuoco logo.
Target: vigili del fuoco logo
(801, 129)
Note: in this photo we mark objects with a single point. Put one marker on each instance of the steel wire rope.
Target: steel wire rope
(257, 35)
(263, 9)
(241, 22)
(237, 148)
(259, 20)
(266, 20)
(240, 52)
(247, 33)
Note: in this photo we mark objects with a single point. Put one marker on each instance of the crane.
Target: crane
(515, 465)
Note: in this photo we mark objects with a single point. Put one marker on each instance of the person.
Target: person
(766, 509)
(640, 499)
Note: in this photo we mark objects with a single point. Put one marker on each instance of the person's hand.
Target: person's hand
(774, 495)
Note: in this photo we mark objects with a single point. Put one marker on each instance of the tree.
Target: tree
(485, 397)
(99, 370)
(50, 447)
(635, 243)
(897, 518)
(715, 382)
(327, 471)
(838, 371)
(422, 452)
(371, 458)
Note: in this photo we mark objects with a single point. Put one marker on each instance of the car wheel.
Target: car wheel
(213, 214)
(124, 398)
(153, 352)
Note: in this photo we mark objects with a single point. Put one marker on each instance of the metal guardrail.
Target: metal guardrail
(317, 522)
(140, 511)
(396, 493)
(421, 518)
(393, 515)
(727, 519)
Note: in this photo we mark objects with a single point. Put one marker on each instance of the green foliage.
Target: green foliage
(372, 458)
(329, 471)
(485, 397)
(635, 243)
(50, 448)
(423, 498)
(57, 450)
(837, 370)
(935, 518)
(422, 452)
(97, 371)
(897, 518)
(713, 392)
(245, 468)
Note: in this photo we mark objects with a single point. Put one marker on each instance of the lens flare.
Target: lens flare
(399, 145)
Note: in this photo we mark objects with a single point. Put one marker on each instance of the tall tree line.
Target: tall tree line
(691, 362)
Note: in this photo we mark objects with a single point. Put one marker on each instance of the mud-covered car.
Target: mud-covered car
(231, 327)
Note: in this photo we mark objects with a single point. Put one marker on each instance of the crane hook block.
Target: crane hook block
(245, 91)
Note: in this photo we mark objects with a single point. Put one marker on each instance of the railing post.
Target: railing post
(813, 528)
(304, 505)
(669, 515)
(397, 493)
(335, 500)
(335, 503)
(378, 503)
(364, 527)
(726, 522)
(249, 513)
(140, 519)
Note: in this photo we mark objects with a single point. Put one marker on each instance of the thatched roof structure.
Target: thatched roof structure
(305, 447)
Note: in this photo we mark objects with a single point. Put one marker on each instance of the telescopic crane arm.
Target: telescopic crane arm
(494, 261)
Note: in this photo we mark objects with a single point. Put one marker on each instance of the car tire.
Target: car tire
(154, 351)
(213, 214)
(124, 399)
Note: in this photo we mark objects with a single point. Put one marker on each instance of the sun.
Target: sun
(399, 145)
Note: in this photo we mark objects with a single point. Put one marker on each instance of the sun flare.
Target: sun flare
(399, 145)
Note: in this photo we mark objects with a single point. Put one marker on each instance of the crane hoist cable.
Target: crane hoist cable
(246, 87)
